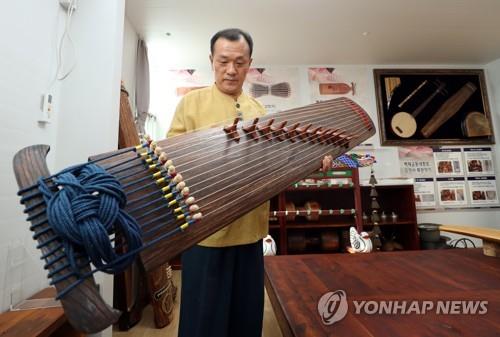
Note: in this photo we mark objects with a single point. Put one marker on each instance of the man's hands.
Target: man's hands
(326, 163)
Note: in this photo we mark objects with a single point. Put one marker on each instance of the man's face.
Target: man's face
(230, 62)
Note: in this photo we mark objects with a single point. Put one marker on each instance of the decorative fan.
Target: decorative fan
(281, 89)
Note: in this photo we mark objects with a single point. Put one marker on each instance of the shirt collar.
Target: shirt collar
(226, 96)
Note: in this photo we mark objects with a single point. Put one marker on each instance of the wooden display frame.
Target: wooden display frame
(435, 92)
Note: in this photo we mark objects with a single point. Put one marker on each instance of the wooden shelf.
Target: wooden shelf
(385, 223)
(352, 198)
(320, 188)
(310, 225)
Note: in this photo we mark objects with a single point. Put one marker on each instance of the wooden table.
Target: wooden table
(37, 322)
(295, 283)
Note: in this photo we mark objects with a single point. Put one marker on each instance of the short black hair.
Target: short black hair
(231, 34)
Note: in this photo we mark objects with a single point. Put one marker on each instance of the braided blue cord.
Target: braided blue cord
(85, 210)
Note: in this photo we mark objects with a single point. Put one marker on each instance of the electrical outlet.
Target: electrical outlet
(67, 3)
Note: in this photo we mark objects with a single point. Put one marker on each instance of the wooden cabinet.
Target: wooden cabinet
(399, 199)
(315, 214)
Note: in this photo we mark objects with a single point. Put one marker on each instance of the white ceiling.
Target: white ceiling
(326, 31)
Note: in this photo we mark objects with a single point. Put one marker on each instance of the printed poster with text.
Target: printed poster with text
(479, 161)
(186, 80)
(451, 191)
(418, 162)
(481, 179)
(347, 81)
(450, 176)
(448, 162)
(326, 83)
(276, 88)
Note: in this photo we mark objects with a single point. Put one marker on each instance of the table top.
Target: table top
(446, 284)
(36, 322)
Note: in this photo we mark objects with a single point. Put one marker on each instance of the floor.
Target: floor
(146, 327)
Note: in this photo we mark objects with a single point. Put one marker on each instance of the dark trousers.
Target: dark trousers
(222, 291)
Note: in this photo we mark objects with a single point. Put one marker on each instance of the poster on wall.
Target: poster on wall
(186, 80)
(448, 162)
(451, 192)
(425, 195)
(482, 191)
(479, 161)
(276, 88)
(418, 162)
(331, 82)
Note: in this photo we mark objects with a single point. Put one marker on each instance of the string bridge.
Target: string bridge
(269, 131)
(232, 130)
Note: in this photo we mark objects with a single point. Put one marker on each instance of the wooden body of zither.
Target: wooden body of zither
(228, 173)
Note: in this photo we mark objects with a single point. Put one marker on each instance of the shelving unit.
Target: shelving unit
(342, 206)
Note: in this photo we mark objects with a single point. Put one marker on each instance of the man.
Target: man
(223, 276)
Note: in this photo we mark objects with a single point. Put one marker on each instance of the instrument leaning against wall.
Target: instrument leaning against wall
(165, 197)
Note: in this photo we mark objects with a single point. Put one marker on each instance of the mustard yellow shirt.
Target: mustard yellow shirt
(210, 107)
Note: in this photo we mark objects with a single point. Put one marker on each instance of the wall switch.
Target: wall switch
(47, 108)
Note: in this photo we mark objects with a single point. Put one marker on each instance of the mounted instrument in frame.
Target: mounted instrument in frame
(476, 124)
(154, 194)
(404, 124)
(448, 109)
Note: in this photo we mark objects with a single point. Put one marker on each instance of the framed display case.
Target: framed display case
(433, 107)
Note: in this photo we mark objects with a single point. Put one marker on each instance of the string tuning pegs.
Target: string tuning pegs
(163, 158)
(168, 163)
(158, 150)
(180, 186)
(177, 179)
(148, 139)
(194, 208)
(171, 170)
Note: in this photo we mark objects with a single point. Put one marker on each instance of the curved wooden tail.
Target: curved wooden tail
(83, 305)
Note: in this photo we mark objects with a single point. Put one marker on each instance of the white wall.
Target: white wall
(130, 38)
(27, 67)
(89, 105)
(86, 112)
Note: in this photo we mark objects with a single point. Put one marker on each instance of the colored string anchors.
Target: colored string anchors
(84, 211)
